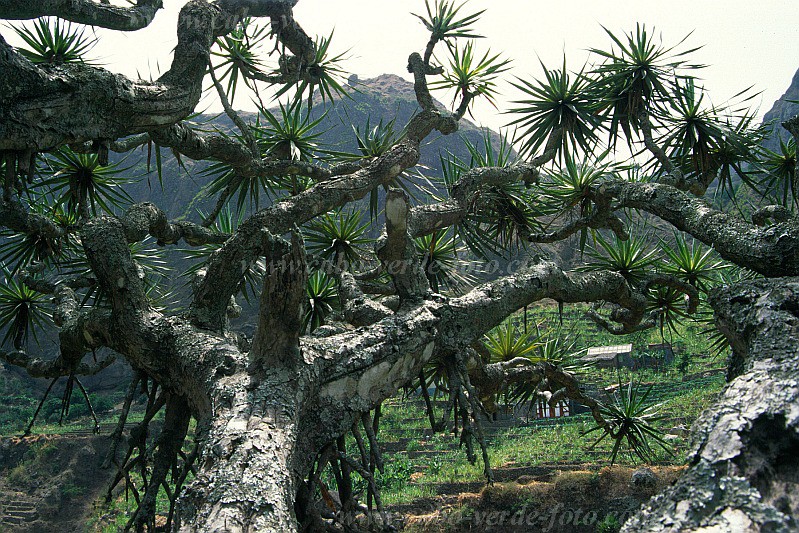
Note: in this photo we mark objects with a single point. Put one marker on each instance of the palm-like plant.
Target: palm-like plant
(291, 135)
(571, 184)
(635, 78)
(631, 418)
(570, 187)
(324, 72)
(22, 311)
(469, 76)
(338, 236)
(717, 342)
(506, 216)
(83, 185)
(694, 132)
(374, 141)
(741, 144)
(552, 346)
(149, 256)
(558, 348)
(159, 296)
(669, 305)
(247, 190)
(501, 216)
(322, 298)
(19, 251)
(629, 257)
(237, 51)
(54, 42)
(443, 23)
(561, 109)
(506, 342)
(779, 178)
(441, 262)
(489, 153)
(691, 263)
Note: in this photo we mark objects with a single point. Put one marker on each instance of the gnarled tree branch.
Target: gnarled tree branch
(145, 218)
(246, 245)
(426, 219)
(742, 472)
(771, 251)
(102, 15)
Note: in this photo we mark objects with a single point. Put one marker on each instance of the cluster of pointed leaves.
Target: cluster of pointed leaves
(633, 419)
(639, 88)
(471, 75)
(54, 42)
(442, 21)
(536, 343)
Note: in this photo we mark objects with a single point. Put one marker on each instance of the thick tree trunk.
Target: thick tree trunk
(247, 477)
(744, 468)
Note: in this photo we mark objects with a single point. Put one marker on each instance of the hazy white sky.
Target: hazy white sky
(744, 42)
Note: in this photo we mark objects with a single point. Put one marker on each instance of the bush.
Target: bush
(683, 362)
(102, 404)
(70, 490)
(609, 524)
(19, 476)
(396, 474)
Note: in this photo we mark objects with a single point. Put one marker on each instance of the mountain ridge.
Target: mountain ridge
(785, 107)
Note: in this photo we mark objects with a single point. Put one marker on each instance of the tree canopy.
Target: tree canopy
(605, 157)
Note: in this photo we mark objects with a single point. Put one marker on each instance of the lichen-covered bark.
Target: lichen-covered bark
(224, 268)
(247, 477)
(102, 15)
(744, 471)
(397, 251)
(771, 251)
(263, 428)
(429, 217)
(51, 105)
(265, 413)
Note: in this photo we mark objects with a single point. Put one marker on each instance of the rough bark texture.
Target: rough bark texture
(247, 480)
(744, 473)
(224, 274)
(772, 251)
(85, 12)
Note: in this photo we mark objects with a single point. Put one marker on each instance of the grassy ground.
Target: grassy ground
(420, 467)
(18, 404)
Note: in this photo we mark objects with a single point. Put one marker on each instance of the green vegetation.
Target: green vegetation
(609, 524)
(19, 402)
(419, 462)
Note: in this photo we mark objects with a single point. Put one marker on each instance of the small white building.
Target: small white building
(610, 356)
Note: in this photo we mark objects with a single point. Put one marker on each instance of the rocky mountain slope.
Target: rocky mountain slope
(784, 108)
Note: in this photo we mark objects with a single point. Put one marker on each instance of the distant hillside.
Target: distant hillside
(387, 97)
(784, 108)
